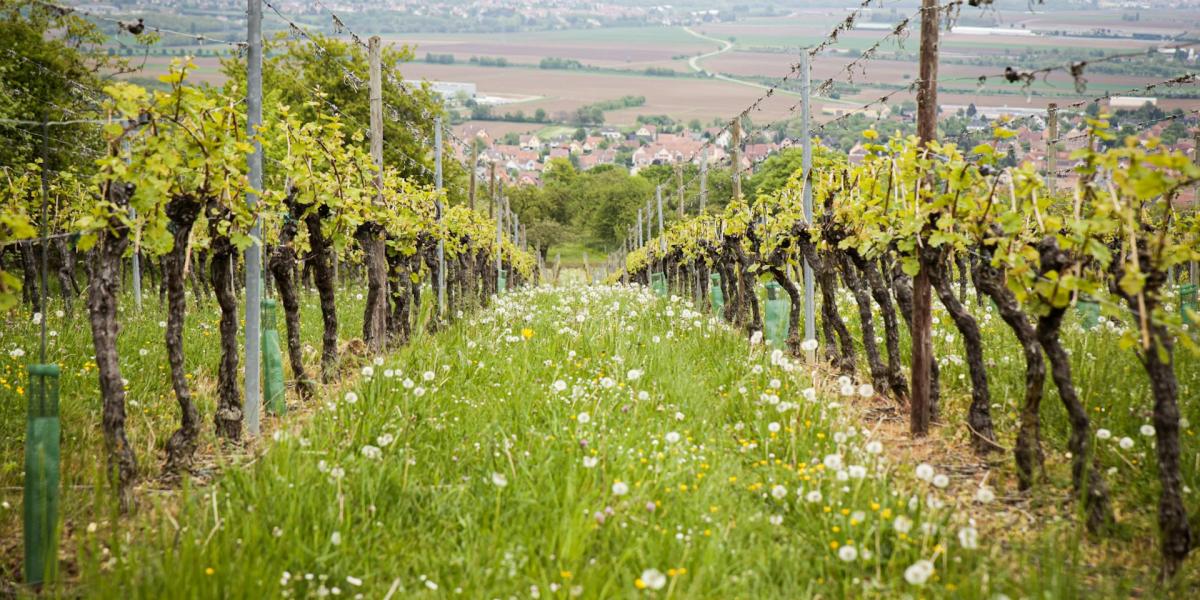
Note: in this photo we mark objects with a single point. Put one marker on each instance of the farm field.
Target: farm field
(669, 47)
(767, 48)
(568, 90)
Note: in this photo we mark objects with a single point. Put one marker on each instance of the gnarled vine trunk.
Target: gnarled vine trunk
(370, 238)
(891, 329)
(228, 416)
(1028, 449)
(30, 288)
(181, 447)
(282, 265)
(794, 308)
(979, 415)
(1158, 359)
(104, 283)
(66, 272)
(1085, 476)
(862, 299)
(323, 279)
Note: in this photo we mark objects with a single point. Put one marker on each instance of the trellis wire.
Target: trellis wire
(130, 27)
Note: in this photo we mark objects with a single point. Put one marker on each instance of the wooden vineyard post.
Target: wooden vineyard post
(492, 189)
(649, 220)
(703, 179)
(1195, 266)
(679, 183)
(1051, 146)
(473, 165)
(922, 343)
(734, 142)
(499, 216)
(375, 314)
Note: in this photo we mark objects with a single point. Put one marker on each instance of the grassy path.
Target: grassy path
(586, 442)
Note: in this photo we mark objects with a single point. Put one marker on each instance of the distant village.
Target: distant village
(522, 159)
(524, 162)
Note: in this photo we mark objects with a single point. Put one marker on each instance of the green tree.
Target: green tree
(49, 64)
(315, 77)
(612, 197)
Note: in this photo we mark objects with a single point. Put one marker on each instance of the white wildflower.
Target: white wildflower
(919, 572)
(925, 472)
(969, 538)
(985, 495)
(653, 579)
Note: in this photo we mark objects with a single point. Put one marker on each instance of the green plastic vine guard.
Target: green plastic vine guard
(658, 283)
(1187, 302)
(42, 468)
(501, 283)
(776, 315)
(718, 298)
(1089, 311)
(274, 395)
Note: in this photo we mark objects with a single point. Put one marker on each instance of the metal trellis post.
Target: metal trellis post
(254, 252)
(810, 315)
(441, 247)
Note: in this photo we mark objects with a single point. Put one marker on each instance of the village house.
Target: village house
(647, 132)
(530, 142)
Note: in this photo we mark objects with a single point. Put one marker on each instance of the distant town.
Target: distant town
(521, 159)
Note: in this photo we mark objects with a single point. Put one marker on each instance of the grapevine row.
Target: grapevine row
(1113, 240)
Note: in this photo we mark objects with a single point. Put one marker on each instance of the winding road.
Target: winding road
(726, 46)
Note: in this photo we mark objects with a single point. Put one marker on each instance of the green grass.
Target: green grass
(152, 412)
(572, 255)
(482, 483)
